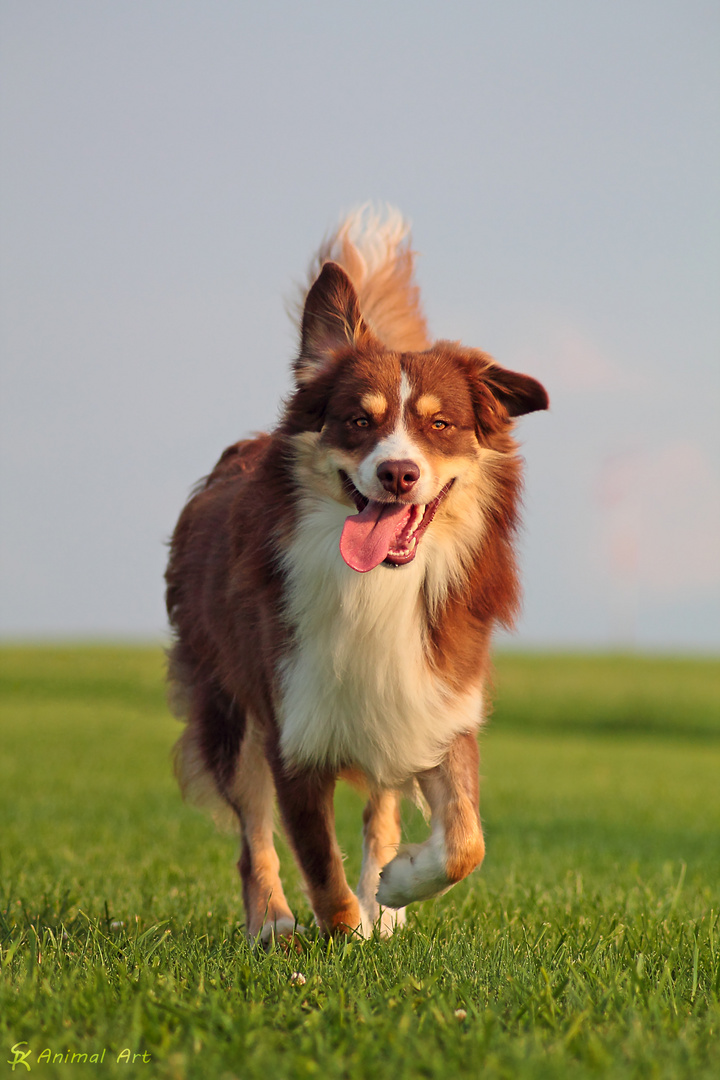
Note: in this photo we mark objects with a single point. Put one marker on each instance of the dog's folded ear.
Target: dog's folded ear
(519, 394)
(331, 322)
(499, 394)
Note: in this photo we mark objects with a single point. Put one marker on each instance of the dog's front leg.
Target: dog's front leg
(381, 839)
(456, 844)
(306, 805)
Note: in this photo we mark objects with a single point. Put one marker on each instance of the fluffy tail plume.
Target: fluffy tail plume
(374, 250)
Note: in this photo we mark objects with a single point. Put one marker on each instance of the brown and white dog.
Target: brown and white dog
(333, 587)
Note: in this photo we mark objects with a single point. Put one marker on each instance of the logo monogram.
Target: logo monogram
(21, 1056)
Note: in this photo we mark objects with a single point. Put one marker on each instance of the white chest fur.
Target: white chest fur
(357, 688)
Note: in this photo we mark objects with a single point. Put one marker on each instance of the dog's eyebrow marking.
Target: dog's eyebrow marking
(376, 404)
(427, 405)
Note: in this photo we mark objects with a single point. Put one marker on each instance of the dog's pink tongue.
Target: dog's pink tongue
(367, 536)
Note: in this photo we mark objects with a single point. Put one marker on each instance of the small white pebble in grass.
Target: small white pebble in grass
(460, 1014)
(297, 978)
(117, 924)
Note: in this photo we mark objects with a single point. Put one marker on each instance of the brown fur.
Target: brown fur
(386, 289)
(227, 578)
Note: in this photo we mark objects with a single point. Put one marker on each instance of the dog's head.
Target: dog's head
(399, 432)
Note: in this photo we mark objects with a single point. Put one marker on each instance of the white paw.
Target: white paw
(280, 928)
(416, 873)
(391, 919)
(387, 920)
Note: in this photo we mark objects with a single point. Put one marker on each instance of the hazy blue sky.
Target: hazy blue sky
(169, 168)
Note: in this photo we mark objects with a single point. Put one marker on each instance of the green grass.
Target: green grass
(588, 945)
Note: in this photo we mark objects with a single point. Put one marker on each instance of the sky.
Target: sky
(168, 171)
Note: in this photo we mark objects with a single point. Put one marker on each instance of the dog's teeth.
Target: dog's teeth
(418, 515)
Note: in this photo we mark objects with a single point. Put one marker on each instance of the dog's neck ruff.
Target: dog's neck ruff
(357, 688)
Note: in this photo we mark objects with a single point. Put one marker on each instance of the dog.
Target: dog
(333, 587)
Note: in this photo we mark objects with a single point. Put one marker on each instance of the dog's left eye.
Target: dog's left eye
(440, 424)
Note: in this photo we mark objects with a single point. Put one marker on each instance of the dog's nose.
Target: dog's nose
(398, 477)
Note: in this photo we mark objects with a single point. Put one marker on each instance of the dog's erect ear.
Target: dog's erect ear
(331, 321)
(519, 394)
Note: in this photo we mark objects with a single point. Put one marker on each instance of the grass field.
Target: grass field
(587, 946)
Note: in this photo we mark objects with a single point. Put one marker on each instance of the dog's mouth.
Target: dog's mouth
(384, 532)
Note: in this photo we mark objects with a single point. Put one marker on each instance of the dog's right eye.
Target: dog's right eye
(361, 421)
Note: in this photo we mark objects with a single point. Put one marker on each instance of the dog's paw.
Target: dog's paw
(285, 933)
(386, 920)
(391, 919)
(416, 873)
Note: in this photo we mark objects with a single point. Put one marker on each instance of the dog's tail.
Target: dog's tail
(374, 250)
